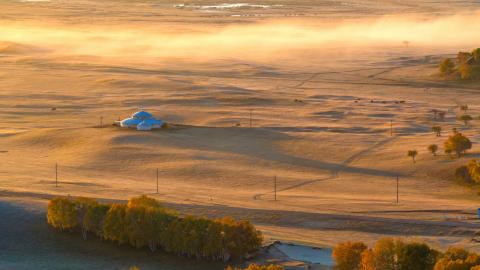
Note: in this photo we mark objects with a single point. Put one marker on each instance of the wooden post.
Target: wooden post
(275, 187)
(251, 118)
(397, 189)
(391, 128)
(157, 180)
(56, 175)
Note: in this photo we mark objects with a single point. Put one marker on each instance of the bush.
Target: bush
(348, 255)
(144, 222)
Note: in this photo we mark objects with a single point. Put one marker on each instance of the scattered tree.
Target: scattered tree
(437, 130)
(433, 148)
(457, 143)
(412, 154)
(465, 118)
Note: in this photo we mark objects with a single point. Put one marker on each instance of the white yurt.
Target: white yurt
(149, 124)
(142, 120)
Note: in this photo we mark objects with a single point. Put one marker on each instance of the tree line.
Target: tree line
(466, 68)
(145, 222)
(395, 254)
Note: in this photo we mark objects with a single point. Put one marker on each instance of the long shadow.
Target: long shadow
(28, 242)
(356, 222)
(254, 148)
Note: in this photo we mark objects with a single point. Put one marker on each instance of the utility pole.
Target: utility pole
(275, 187)
(391, 128)
(251, 118)
(157, 180)
(56, 174)
(397, 189)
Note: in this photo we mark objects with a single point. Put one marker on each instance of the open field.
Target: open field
(321, 116)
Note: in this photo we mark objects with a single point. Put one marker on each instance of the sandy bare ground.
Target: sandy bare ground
(320, 124)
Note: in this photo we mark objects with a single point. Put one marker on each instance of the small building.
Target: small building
(143, 121)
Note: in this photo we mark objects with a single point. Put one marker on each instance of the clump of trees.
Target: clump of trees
(457, 143)
(145, 222)
(394, 254)
(467, 66)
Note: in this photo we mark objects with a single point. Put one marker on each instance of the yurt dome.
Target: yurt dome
(142, 115)
(130, 122)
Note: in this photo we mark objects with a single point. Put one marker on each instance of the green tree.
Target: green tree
(62, 214)
(447, 67)
(412, 154)
(94, 218)
(433, 148)
(115, 224)
(416, 256)
(348, 255)
(465, 119)
(457, 143)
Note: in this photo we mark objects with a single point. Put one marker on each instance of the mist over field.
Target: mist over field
(263, 39)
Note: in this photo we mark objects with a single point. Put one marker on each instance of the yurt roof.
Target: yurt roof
(142, 115)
